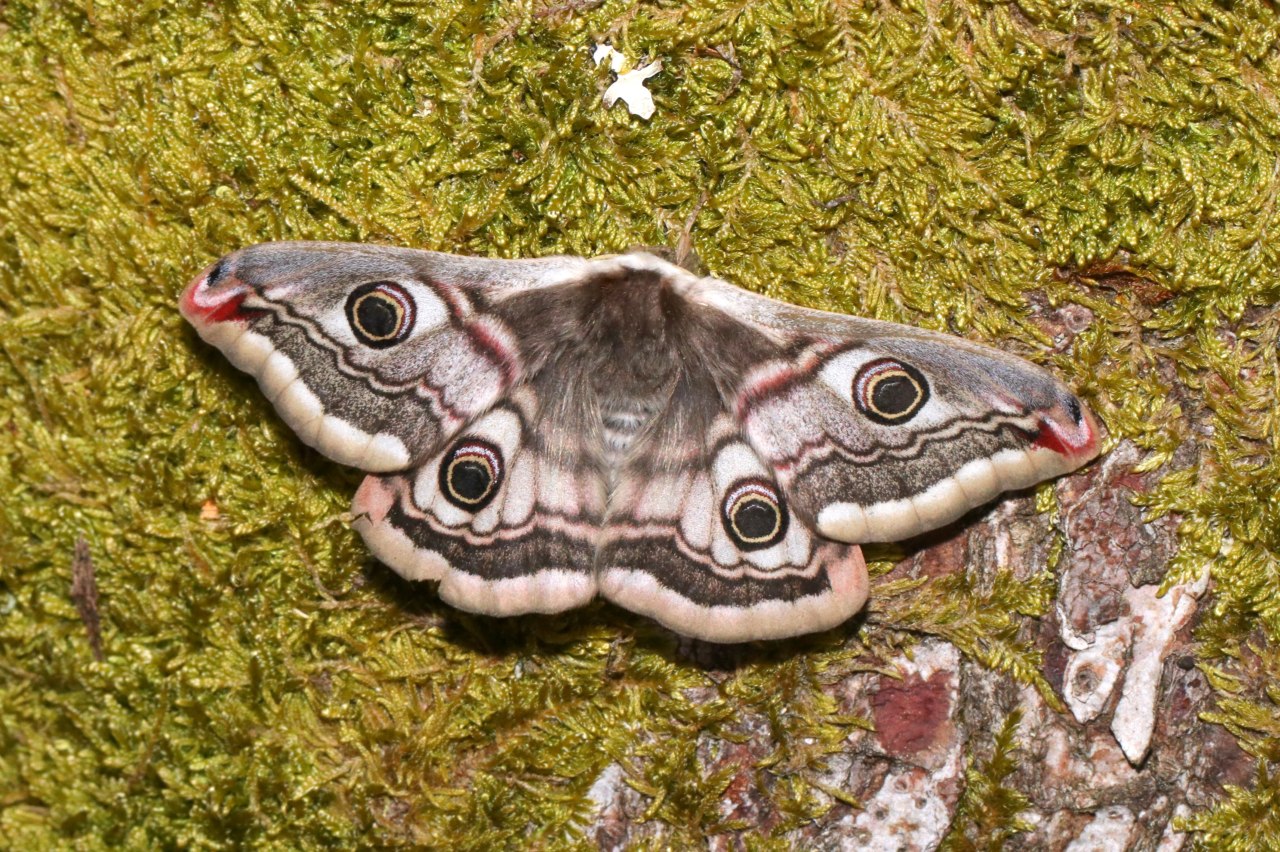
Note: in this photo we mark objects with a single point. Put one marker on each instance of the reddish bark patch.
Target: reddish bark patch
(941, 553)
(1056, 653)
(944, 558)
(1230, 764)
(911, 715)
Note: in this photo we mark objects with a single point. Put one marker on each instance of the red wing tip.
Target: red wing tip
(212, 297)
(1077, 441)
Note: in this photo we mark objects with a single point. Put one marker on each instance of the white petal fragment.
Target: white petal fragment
(606, 51)
(629, 87)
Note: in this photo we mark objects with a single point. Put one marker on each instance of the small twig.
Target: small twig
(84, 591)
(684, 246)
(837, 201)
(72, 120)
(573, 7)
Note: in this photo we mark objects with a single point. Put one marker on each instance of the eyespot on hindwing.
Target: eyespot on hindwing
(754, 514)
(470, 474)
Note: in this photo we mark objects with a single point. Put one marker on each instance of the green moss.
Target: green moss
(933, 163)
(987, 816)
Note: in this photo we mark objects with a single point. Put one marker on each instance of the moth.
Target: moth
(540, 432)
